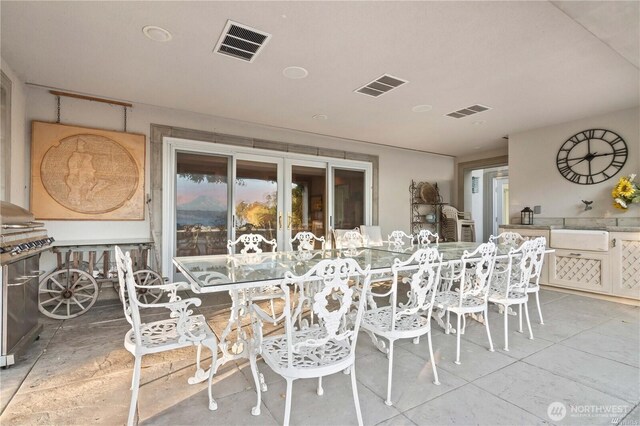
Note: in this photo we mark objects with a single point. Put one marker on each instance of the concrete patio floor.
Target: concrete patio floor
(586, 356)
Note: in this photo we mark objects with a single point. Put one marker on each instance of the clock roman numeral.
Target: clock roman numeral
(591, 134)
(623, 151)
(589, 179)
(564, 169)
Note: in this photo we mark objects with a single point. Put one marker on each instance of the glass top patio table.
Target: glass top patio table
(227, 272)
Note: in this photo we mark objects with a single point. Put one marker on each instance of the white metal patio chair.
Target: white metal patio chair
(515, 239)
(508, 238)
(181, 329)
(472, 275)
(428, 238)
(349, 239)
(534, 282)
(509, 283)
(325, 348)
(412, 319)
(306, 241)
(251, 243)
(400, 239)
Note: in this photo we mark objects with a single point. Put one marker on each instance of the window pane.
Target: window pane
(201, 204)
(256, 195)
(348, 199)
(308, 188)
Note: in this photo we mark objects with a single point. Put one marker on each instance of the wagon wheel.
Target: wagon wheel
(67, 293)
(145, 277)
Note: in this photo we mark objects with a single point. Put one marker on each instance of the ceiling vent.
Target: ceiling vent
(465, 112)
(241, 42)
(381, 85)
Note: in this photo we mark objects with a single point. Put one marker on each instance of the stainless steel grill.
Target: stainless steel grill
(21, 242)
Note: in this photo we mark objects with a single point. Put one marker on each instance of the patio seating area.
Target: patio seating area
(585, 355)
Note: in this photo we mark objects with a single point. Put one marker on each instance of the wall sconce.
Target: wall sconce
(526, 216)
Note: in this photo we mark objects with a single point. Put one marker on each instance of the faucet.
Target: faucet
(587, 205)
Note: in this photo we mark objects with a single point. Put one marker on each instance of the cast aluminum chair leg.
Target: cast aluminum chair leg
(526, 312)
(320, 390)
(506, 330)
(486, 324)
(520, 318)
(287, 404)
(389, 373)
(436, 381)
(458, 340)
(135, 386)
(356, 400)
(538, 304)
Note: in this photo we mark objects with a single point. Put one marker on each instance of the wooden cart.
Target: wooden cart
(73, 286)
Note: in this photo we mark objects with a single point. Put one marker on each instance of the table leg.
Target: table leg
(242, 346)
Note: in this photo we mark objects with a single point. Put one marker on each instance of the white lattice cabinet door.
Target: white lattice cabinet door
(583, 270)
(625, 264)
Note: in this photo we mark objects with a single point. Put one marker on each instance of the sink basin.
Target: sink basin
(579, 239)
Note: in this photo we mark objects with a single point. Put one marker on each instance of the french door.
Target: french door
(217, 193)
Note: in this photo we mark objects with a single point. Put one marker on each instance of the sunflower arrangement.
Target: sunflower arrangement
(626, 192)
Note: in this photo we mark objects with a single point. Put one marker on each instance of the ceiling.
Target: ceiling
(534, 63)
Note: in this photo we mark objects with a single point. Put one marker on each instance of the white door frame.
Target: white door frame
(173, 145)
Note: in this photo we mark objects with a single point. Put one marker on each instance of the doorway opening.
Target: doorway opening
(486, 196)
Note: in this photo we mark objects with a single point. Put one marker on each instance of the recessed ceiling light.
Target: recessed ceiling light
(422, 108)
(479, 122)
(295, 73)
(320, 117)
(157, 33)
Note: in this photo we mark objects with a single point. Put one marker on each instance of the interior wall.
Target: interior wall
(396, 166)
(19, 143)
(534, 178)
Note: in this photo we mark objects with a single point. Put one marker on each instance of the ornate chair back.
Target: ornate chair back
(348, 239)
(514, 277)
(306, 241)
(508, 238)
(423, 282)
(331, 305)
(426, 238)
(476, 271)
(251, 244)
(128, 292)
(399, 238)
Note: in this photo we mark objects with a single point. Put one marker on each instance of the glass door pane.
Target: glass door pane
(202, 196)
(348, 198)
(308, 201)
(256, 201)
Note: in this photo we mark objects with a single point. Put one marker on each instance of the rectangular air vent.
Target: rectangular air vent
(381, 85)
(465, 112)
(241, 42)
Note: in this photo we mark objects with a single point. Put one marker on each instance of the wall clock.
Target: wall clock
(592, 156)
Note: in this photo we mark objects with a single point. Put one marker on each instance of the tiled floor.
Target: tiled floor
(586, 356)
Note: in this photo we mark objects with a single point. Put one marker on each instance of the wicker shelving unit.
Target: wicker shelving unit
(420, 208)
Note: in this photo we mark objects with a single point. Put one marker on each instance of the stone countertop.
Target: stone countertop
(595, 228)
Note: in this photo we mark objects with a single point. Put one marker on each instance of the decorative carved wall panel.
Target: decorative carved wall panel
(80, 173)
